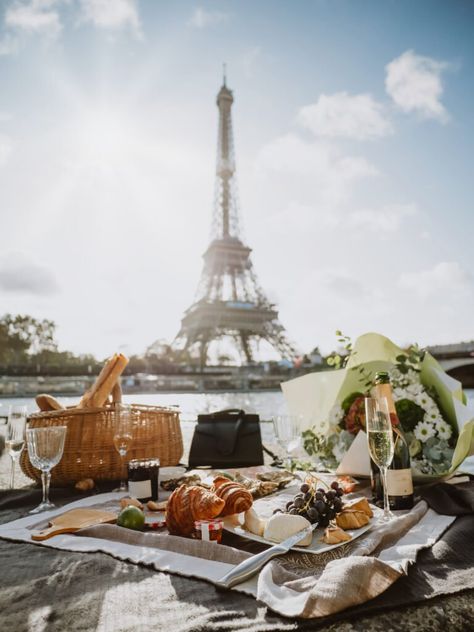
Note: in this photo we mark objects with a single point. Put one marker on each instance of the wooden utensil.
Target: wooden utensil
(72, 521)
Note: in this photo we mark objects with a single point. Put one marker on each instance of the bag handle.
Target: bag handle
(239, 411)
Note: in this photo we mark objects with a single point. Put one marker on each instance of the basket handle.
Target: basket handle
(117, 392)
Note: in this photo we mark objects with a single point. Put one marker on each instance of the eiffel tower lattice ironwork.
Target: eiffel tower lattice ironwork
(229, 300)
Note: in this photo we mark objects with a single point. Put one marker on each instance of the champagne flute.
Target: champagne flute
(122, 438)
(15, 439)
(45, 449)
(287, 433)
(380, 439)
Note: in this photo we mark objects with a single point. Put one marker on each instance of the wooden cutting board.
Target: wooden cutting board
(72, 521)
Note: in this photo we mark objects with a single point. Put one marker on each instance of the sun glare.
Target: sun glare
(104, 139)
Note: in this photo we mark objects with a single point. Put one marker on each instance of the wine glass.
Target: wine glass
(122, 438)
(15, 439)
(381, 446)
(287, 433)
(45, 449)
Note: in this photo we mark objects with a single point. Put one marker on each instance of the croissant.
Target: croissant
(237, 498)
(335, 535)
(352, 519)
(187, 504)
(361, 504)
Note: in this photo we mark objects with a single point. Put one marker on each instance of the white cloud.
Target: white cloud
(325, 169)
(5, 149)
(250, 60)
(414, 83)
(202, 18)
(18, 274)
(343, 115)
(444, 280)
(111, 14)
(9, 44)
(35, 16)
(386, 219)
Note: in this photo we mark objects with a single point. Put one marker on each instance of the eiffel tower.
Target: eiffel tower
(229, 301)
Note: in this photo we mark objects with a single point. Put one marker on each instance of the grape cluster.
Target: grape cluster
(317, 505)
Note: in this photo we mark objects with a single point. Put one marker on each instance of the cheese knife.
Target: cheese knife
(252, 565)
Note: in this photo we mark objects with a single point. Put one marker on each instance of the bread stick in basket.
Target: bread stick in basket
(97, 395)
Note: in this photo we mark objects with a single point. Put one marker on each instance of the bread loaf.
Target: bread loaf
(97, 395)
(48, 402)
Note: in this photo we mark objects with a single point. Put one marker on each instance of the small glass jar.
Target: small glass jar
(143, 479)
(208, 530)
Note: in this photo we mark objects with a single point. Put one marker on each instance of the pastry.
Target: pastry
(352, 519)
(187, 504)
(188, 479)
(125, 502)
(85, 485)
(237, 498)
(97, 394)
(360, 504)
(280, 526)
(155, 506)
(48, 402)
(335, 535)
(253, 522)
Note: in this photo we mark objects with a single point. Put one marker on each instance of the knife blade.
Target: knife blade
(252, 565)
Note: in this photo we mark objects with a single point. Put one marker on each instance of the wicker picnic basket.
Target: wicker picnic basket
(89, 450)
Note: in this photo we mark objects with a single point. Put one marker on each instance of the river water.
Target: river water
(266, 404)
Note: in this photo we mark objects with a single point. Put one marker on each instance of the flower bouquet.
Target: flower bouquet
(431, 406)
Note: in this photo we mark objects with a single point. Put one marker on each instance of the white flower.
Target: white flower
(395, 377)
(335, 415)
(433, 417)
(424, 430)
(338, 452)
(399, 393)
(444, 430)
(415, 389)
(423, 400)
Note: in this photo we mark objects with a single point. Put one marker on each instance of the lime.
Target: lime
(131, 518)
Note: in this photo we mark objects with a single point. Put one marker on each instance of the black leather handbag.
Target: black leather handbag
(227, 438)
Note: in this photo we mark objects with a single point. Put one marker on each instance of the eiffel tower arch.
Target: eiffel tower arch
(229, 301)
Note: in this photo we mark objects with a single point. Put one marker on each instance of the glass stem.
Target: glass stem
(12, 474)
(45, 479)
(386, 506)
(123, 485)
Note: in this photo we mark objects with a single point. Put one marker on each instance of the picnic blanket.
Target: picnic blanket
(294, 586)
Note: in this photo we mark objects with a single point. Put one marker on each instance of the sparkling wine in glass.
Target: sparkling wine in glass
(45, 450)
(123, 418)
(381, 447)
(15, 439)
(287, 429)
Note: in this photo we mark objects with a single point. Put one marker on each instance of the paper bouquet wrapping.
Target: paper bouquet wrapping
(433, 410)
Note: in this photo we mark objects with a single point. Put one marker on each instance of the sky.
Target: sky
(353, 132)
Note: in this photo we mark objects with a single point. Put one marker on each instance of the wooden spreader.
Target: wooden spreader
(72, 521)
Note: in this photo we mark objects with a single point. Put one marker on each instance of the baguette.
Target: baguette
(117, 392)
(48, 403)
(97, 395)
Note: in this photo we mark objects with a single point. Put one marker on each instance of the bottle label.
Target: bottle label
(139, 489)
(399, 482)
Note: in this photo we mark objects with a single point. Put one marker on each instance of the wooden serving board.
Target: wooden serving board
(72, 521)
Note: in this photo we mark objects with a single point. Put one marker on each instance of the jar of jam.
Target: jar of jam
(208, 530)
(143, 479)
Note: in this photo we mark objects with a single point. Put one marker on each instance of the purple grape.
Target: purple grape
(304, 488)
(299, 503)
(319, 495)
(335, 485)
(340, 492)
